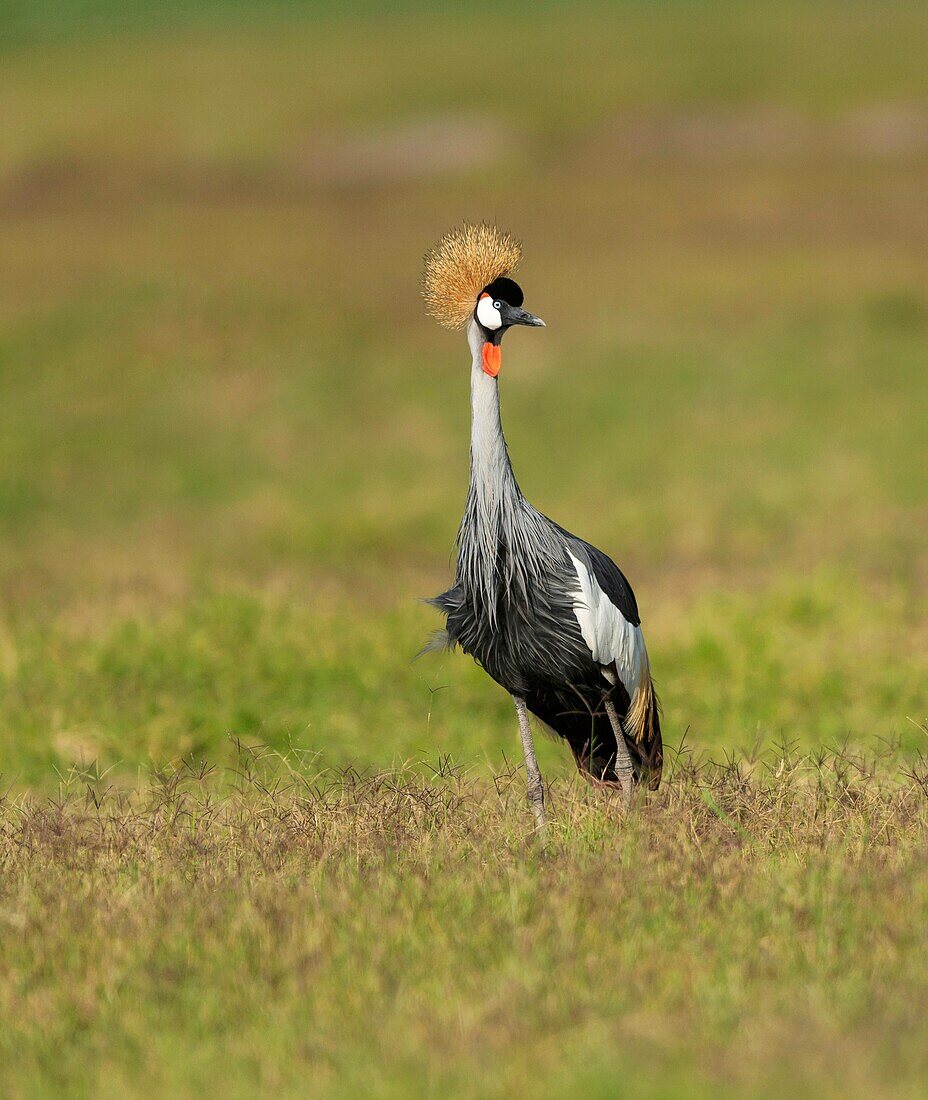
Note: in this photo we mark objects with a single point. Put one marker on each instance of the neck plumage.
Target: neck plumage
(494, 500)
(491, 476)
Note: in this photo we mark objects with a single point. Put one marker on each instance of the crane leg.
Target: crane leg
(536, 787)
(623, 761)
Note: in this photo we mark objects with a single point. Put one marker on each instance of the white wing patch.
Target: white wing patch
(610, 636)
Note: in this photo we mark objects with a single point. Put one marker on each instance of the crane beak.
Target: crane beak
(512, 315)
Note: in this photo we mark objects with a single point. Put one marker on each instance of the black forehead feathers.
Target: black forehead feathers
(506, 290)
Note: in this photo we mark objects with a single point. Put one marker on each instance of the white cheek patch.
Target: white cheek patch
(488, 314)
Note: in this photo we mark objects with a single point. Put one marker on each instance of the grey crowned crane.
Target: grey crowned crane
(550, 618)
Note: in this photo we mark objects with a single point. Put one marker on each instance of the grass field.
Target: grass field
(233, 455)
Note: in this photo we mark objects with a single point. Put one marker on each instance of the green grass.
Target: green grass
(233, 455)
(791, 664)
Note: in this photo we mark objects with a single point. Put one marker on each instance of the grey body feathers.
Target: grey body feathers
(512, 606)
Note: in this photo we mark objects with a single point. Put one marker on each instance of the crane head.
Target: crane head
(467, 279)
(499, 307)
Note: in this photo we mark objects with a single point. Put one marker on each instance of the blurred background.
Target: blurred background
(234, 451)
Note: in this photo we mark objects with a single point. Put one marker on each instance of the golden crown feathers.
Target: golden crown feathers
(463, 262)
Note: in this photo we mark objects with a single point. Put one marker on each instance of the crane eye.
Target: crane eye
(497, 305)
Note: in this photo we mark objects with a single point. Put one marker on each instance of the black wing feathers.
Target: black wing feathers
(609, 577)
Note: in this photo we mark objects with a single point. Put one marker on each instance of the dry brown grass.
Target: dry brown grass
(274, 807)
(756, 926)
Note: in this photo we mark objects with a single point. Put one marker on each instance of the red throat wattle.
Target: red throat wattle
(492, 359)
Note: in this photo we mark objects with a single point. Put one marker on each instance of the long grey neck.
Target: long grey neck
(494, 500)
(491, 476)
